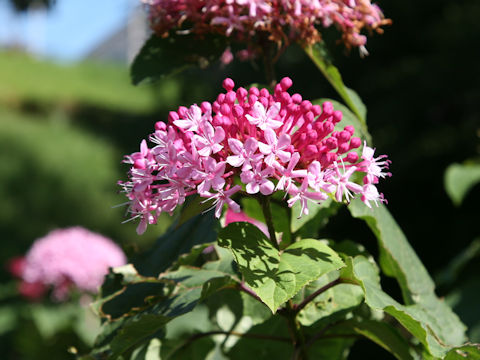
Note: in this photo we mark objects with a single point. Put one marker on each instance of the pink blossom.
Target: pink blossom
(343, 183)
(282, 21)
(244, 153)
(303, 195)
(257, 180)
(72, 257)
(193, 119)
(222, 198)
(227, 56)
(264, 118)
(374, 167)
(250, 141)
(209, 142)
(275, 147)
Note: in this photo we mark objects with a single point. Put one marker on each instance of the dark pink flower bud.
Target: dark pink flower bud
(317, 110)
(160, 125)
(230, 97)
(337, 116)
(297, 98)
(241, 93)
(221, 98)
(228, 84)
(351, 157)
(206, 107)
(182, 111)
(350, 129)
(331, 143)
(264, 93)
(286, 83)
(237, 111)
(172, 116)
(343, 136)
(254, 91)
(225, 109)
(343, 148)
(355, 143)
(327, 108)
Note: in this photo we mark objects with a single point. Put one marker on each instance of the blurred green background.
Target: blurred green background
(65, 128)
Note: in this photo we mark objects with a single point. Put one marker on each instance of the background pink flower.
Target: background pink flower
(72, 257)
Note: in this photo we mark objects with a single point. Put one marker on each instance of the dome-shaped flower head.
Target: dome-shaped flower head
(71, 258)
(280, 21)
(251, 142)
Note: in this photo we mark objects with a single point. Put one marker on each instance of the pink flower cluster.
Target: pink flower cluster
(72, 257)
(281, 20)
(249, 142)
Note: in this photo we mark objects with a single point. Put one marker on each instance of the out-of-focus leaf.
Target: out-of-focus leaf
(308, 225)
(449, 275)
(384, 335)
(193, 206)
(164, 56)
(331, 349)
(136, 332)
(459, 179)
(319, 55)
(464, 301)
(276, 277)
(177, 241)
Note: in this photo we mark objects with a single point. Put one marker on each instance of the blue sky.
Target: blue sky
(68, 31)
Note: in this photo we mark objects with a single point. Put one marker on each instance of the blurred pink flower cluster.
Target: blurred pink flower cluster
(65, 259)
(281, 21)
(250, 141)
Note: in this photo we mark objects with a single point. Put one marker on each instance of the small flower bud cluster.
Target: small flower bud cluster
(71, 258)
(281, 20)
(254, 142)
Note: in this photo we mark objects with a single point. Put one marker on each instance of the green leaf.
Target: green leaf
(459, 179)
(337, 300)
(160, 57)
(398, 259)
(470, 352)
(318, 216)
(136, 332)
(319, 55)
(150, 351)
(263, 347)
(276, 277)
(422, 320)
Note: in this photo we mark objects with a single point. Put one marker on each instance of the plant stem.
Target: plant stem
(298, 307)
(300, 352)
(249, 291)
(267, 213)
